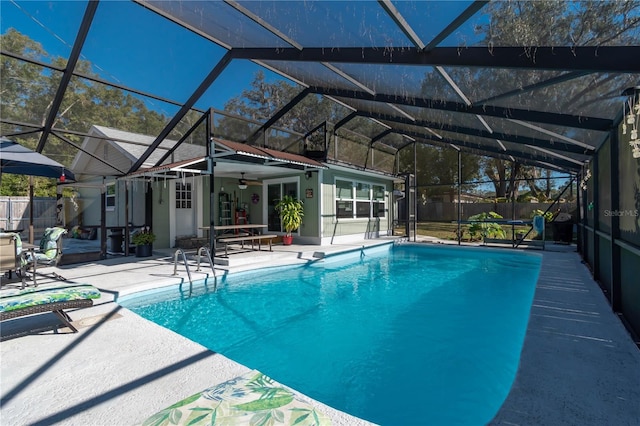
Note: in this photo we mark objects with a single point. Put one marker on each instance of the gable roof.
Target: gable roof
(111, 152)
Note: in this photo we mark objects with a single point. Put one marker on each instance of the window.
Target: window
(344, 199)
(363, 200)
(379, 206)
(110, 197)
(359, 200)
(183, 195)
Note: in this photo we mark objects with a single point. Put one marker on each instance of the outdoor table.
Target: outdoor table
(32, 248)
(233, 227)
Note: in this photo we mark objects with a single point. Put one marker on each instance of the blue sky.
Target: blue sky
(132, 46)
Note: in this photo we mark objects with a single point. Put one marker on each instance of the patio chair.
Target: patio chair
(10, 249)
(49, 254)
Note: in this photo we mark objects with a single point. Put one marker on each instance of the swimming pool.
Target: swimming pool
(402, 334)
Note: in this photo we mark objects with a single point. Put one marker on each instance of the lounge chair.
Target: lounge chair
(252, 398)
(54, 298)
(49, 254)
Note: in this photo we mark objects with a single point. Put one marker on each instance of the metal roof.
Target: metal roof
(452, 74)
(266, 156)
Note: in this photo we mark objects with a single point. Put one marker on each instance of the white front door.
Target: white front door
(185, 218)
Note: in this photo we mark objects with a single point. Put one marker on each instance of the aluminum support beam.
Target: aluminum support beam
(89, 13)
(608, 59)
(567, 120)
(217, 70)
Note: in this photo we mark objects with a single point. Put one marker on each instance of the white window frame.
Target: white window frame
(110, 196)
(354, 199)
(183, 194)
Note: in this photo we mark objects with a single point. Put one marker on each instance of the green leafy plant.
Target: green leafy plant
(483, 228)
(144, 237)
(548, 216)
(291, 212)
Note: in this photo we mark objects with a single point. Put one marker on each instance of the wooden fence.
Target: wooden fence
(440, 211)
(14, 213)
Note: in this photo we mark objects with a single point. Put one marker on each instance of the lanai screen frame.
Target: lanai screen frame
(288, 57)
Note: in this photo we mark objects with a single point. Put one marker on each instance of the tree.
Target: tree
(27, 91)
(530, 24)
(437, 169)
(263, 99)
(560, 23)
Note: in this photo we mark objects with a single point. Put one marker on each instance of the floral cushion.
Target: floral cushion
(48, 246)
(48, 242)
(14, 299)
(250, 399)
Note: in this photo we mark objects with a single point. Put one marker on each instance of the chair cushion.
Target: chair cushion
(14, 299)
(48, 243)
(250, 399)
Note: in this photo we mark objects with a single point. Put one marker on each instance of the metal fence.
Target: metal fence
(609, 226)
(14, 213)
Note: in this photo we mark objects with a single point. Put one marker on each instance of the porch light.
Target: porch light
(631, 118)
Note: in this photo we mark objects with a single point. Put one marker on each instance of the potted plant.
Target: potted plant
(143, 241)
(291, 212)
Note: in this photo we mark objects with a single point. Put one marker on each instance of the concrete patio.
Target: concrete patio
(578, 365)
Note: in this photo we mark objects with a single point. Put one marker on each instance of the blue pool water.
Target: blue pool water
(400, 335)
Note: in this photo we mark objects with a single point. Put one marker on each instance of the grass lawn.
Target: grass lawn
(448, 231)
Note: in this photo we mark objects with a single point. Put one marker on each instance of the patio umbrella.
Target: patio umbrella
(16, 159)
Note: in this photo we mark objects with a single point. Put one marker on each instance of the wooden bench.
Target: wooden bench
(241, 239)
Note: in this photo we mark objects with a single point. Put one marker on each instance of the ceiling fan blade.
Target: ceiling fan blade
(242, 181)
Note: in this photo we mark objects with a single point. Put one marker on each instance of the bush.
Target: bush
(485, 229)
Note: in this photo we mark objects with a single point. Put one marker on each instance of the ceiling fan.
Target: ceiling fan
(243, 183)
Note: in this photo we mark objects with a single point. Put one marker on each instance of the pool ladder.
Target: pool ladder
(200, 252)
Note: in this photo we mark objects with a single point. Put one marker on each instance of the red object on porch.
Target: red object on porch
(241, 218)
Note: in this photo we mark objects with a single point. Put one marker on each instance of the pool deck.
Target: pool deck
(578, 365)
